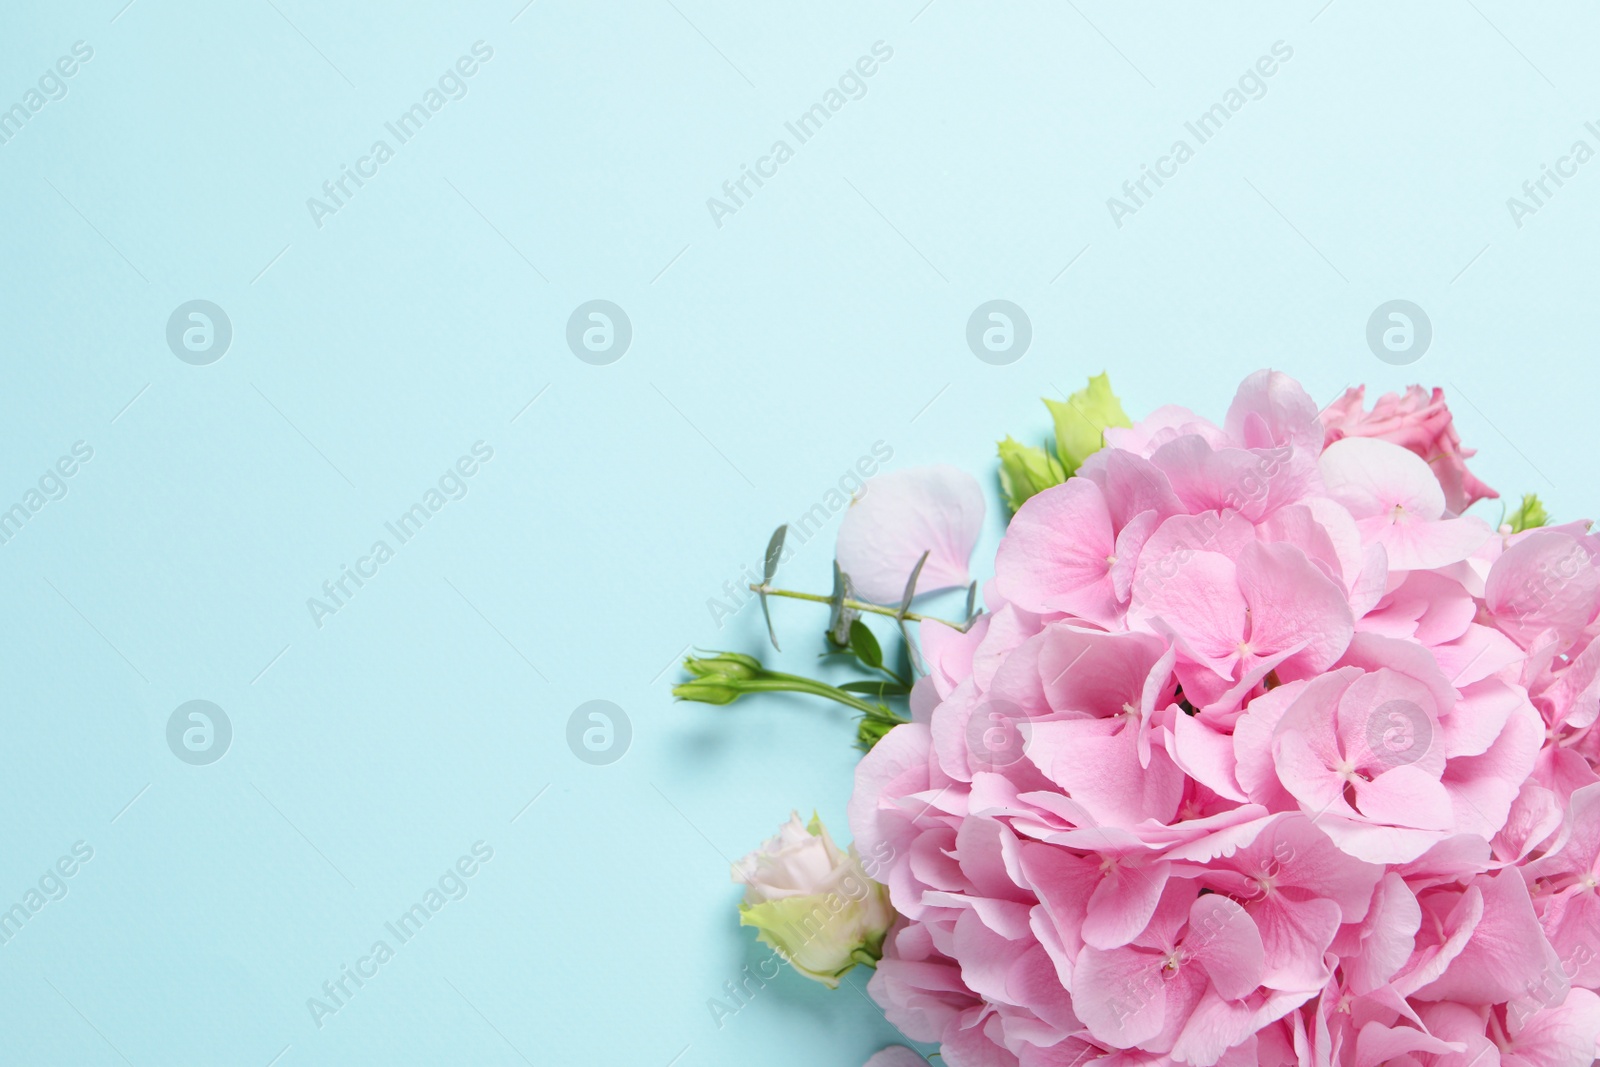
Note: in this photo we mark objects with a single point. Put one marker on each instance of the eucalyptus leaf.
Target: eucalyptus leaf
(913, 656)
(766, 613)
(972, 600)
(911, 585)
(840, 618)
(774, 551)
(865, 645)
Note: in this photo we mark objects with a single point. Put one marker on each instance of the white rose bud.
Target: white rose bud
(812, 902)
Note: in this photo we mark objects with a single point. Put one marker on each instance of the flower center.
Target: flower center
(1346, 770)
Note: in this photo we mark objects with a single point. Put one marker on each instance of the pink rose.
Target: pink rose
(1418, 421)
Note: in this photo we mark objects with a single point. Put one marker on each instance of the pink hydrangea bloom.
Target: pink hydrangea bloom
(1264, 755)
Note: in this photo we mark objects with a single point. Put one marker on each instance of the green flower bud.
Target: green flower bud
(1529, 515)
(1025, 471)
(708, 691)
(719, 679)
(732, 665)
(1081, 422)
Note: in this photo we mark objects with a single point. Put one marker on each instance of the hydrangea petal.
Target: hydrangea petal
(901, 515)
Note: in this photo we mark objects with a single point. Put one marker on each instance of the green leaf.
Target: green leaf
(1529, 515)
(1082, 419)
(1025, 470)
(865, 645)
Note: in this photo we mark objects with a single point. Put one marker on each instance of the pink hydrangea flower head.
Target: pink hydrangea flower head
(1266, 755)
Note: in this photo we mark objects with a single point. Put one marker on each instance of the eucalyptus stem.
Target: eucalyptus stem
(860, 605)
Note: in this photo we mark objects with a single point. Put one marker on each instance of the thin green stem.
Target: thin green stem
(774, 682)
(896, 676)
(859, 605)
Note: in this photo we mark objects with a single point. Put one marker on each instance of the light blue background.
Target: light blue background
(768, 355)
